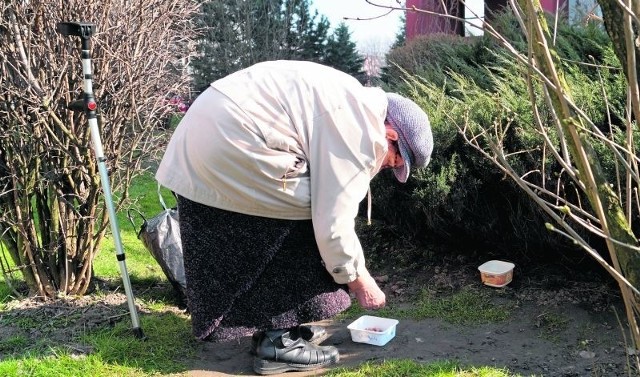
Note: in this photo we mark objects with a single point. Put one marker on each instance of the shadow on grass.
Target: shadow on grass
(92, 335)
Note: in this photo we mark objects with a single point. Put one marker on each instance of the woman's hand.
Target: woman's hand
(367, 292)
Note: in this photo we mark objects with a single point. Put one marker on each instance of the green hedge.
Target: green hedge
(461, 197)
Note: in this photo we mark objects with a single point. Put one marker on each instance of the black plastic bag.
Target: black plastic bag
(161, 236)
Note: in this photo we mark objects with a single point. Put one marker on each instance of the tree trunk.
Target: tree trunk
(604, 202)
(613, 16)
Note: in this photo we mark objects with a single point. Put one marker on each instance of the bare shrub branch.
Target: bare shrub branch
(53, 216)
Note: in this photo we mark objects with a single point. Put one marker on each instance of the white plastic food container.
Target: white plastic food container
(496, 273)
(373, 330)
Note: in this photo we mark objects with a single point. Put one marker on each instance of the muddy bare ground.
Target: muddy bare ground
(562, 323)
(561, 328)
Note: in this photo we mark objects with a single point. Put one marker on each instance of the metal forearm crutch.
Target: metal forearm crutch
(89, 106)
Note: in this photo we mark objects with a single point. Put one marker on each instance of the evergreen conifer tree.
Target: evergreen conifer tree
(343, 55)
(238, 33)
(401, 35)
(221, 46)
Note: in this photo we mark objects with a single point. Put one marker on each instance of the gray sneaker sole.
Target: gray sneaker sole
(267, 367)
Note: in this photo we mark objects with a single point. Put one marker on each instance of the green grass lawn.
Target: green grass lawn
(116, 352)
(140, 263)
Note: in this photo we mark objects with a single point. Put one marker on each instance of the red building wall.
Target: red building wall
(551, 5)
(418, 23)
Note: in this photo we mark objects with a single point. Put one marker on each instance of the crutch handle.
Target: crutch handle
(78, 29)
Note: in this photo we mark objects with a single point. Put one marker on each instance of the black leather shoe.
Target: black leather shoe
(277, 352)
(310, 333)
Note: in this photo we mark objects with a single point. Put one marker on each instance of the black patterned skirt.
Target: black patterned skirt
(246, 273)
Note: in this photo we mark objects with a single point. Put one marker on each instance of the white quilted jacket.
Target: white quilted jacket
(288, 140)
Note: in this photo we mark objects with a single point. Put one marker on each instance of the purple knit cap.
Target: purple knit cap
(415, 140)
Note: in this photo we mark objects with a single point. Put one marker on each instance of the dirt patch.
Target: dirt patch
(561, 324)
(568, 329)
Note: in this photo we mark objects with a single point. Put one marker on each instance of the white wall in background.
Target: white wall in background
(473, 15)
